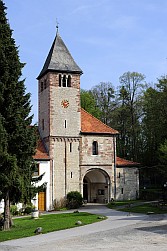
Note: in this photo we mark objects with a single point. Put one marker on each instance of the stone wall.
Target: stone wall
(105, 154)
(127, 183)
(44, 107)
(66, 166)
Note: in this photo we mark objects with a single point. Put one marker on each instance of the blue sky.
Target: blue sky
(105, 37)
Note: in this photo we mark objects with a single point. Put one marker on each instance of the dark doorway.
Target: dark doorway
(85, 189)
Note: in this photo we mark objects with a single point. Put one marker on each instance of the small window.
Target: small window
(71, 175)
(122, 190)
(69, 81)
(41, 86)
(45, 83)
(95, 148)
(64, 81)
(36, 170)
(100, 191)
(70, 147)
(43, 125)
(65, 124)
(59, 80)
(119, 175)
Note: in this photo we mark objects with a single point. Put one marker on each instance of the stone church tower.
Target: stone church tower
(60, 118)
(79, 151)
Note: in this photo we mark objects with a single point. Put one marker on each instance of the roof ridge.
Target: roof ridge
(116, 132)
(126, 161)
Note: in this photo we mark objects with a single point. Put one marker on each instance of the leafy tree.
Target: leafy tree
(154, 132)
(150, 124)
(158, 173)
(18, 141)
(130, 112)
(154, 121)
(163, 153)
(121, 122)
(88, 103)
(105, 100)
(163, 162)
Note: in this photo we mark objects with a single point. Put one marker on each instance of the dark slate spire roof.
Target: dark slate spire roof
(59, 59)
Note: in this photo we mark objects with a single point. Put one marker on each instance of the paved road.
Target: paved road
(120, 232)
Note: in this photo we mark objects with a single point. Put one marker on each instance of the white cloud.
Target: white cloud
(88, 7)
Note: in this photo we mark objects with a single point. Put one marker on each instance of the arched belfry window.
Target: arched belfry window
(69, 81)
(95, 148)
(64, 81)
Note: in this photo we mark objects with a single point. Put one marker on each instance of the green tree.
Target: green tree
(154, 132)
(154, 121)
(104, 96)
(130, 111)
(88, 103)
(163, 161)
(150, 126)
(18, 141)
(163, 153)
(121, 122)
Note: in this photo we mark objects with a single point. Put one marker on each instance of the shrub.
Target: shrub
(28, 209)
(74, 200)
(14, 210)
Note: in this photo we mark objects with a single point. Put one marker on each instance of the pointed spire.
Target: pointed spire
(59, 59)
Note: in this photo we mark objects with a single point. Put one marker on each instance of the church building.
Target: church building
(76, 151)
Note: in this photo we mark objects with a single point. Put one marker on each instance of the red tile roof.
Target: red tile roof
(124, 162)
(41, 152)
(90, 124)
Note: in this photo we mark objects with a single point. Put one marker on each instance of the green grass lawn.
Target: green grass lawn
(145, 209)
(24, 227)
(140, 207)
(117, 204)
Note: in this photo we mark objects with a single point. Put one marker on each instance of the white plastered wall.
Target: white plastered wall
(44, 167)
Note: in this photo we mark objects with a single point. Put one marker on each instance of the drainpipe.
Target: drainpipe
(109, 191)
(115, 187)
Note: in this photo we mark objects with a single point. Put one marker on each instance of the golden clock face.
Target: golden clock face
(65, 103)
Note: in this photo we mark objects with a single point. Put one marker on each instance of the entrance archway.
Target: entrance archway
(96, 186)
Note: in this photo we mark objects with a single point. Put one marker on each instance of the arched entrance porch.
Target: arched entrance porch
(96, 186)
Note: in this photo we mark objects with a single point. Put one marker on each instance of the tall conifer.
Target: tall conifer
(18, 139)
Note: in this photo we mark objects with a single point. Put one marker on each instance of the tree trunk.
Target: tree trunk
(6, 212)
(11, 223)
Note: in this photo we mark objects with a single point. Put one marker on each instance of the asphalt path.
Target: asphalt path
(120, 232)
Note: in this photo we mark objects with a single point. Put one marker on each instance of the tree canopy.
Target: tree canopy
(138, 110)
(18, 137)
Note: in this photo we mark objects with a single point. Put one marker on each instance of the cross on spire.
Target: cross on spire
(57, 25)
